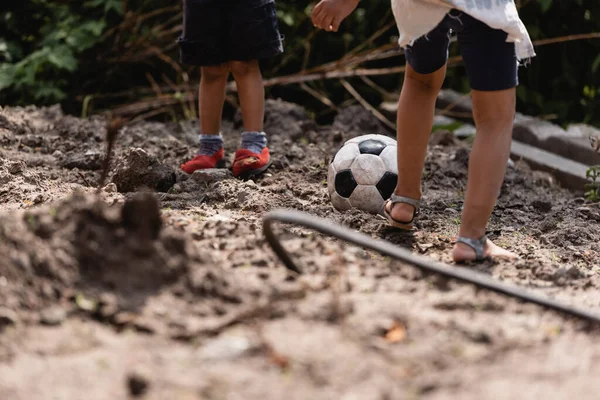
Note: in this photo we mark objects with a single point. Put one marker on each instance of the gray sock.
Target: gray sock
(210, 144)
(254, 141)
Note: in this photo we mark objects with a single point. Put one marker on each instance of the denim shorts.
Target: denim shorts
(490, 61)
(218, 31)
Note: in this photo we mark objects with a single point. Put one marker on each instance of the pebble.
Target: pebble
(228, 347)
(7, 317)
(211, 175)
(110, 188)
(138, 383)
(53, 316)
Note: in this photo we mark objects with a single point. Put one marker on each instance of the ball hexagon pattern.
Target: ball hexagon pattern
(363, 173)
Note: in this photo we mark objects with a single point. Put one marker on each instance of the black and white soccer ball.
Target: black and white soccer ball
(363, 173)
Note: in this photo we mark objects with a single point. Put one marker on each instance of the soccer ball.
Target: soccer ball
(363, 173)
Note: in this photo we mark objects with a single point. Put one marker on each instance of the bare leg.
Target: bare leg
(416, 109)
(251, 92)
(494, 114)
(212, 97)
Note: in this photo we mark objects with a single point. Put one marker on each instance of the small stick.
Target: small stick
(112, 128)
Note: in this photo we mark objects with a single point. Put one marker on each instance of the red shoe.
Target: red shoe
(248, 164)
(204, 162)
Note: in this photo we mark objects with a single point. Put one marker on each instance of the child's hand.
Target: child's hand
(329, 14)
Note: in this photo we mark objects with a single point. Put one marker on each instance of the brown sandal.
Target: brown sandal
(407, 225)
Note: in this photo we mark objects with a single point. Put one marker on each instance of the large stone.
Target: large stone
(209, 176)
(573, 143)
(569, 173)
(137, 169)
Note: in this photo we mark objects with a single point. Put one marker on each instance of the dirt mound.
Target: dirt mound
(136, 169)
(84, 243)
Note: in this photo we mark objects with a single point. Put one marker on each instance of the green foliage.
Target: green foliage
(42, 46)
(593, 188)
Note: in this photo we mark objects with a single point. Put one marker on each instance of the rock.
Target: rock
(542, 206)
(14, 167)
(138, 383)
(228, 347)
(137, 169)
(53, 316)
(572, 144)
(296, 152)
(465, 131)
(462, 156)
(90, 160)
(7, 317)
(442, 121)
(209, 176)
(456, 103)
(110, 188)
(549, 224)
(441, 138)
(570, 174)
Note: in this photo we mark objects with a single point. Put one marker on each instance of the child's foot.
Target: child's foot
(463, 252)
(253, 157)
(401, 211)
(209, 156)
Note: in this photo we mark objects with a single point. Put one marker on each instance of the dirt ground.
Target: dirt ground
(115, 296)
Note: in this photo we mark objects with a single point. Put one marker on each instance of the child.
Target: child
(222, 37)
(491, 63)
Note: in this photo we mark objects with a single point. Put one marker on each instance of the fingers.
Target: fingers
(323, 17)
(317, 15)
(328, 21)
(335, 24)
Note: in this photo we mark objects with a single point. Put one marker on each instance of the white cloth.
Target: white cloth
(416, 18)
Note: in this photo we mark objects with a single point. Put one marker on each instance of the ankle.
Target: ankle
(210, 144)
(471, 233)
(254, 141)
(407, 192)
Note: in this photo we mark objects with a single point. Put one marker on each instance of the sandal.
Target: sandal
(400, 199)
(476, 244)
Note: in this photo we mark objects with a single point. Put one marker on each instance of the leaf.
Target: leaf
(62, 57)
(545, 5)
(7, 75)
(396, 334)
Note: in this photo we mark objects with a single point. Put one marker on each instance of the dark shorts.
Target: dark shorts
(218, 31)
(490, 61)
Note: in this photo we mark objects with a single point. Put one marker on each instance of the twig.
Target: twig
(336, 74)
(318, 95)
(376, 87)
(366, 104)
(112, 129)
(153, 83)
(568, 38)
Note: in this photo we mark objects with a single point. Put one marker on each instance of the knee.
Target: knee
(494, 110)
(425, 83)
(241, 69)
(216, 73)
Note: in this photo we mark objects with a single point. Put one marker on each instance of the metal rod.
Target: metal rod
(462, 274)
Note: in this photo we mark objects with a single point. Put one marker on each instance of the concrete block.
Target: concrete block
(573, 143)
(460, 106)
(570, 174)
